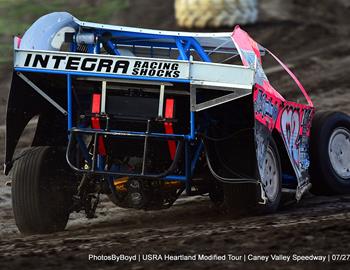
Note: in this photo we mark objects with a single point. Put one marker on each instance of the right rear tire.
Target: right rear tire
(42, 190)
(241, 199)
(330, 153)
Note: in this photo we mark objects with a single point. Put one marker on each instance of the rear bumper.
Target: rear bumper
(95, 163)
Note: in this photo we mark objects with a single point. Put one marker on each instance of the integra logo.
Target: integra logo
(103, 65)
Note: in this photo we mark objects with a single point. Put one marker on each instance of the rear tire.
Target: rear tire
(241, 199)
(272, 180)
(41, 191)
(330, 153)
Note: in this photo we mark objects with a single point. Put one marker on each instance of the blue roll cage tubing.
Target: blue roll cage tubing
(184, 46)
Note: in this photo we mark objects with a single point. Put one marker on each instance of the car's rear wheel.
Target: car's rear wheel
(271, 179)
(246, 198)
(330, 153)
(42, 190)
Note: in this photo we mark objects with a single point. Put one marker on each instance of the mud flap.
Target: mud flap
(21, 107)
(23, 104)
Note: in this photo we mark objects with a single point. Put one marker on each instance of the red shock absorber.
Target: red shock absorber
(168, 126)
(95, 122)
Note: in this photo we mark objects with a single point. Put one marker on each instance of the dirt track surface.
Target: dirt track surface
(316, 226)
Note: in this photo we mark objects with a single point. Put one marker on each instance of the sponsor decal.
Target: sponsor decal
(265, 106)
(158, 69)
(100, 64)
(295, 128)
(290, 124)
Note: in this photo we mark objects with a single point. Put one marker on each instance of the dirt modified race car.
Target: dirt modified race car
(146, 115)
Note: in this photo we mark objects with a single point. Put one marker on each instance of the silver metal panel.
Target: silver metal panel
(103, 97)
(239, 93)
(220, 86)
(111, 80)
(161, 100)
(223, 74)
(151, 31)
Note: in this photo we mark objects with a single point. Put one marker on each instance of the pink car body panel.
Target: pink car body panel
(274, 113)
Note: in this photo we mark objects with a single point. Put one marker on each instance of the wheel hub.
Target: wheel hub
(339, 152)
